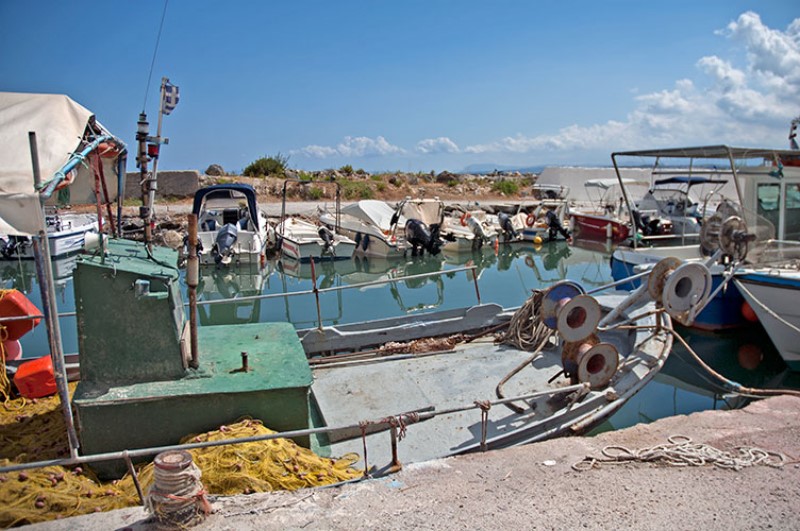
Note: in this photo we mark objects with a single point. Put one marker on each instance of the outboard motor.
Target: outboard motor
(554, 226)
(14, 246)
(422, 238)
(509, 233)
(223, 244)
(327, 237)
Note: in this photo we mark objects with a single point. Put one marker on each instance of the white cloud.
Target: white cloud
(352, 146)
(316, 152)
(742, 104)
(440, 144)
(735, 101)
(770, 52)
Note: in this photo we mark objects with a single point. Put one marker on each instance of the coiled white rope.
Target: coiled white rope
(681, 451)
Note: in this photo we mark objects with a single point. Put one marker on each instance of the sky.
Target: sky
(416, 85)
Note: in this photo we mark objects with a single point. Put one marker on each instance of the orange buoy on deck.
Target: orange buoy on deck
(14, 303)
(35, 378)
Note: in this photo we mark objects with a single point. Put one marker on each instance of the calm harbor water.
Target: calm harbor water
(505, 277)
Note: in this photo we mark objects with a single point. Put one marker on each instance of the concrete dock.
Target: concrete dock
(535, 487)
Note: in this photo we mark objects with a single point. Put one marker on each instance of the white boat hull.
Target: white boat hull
(66, 235)
(774, 298)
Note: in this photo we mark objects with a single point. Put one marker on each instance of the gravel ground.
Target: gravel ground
(534, 487)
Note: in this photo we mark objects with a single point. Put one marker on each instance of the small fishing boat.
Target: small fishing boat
(66, 235)
(231, 227)
(372, 225)
(302, 240)
(605, 219)
(671, 201)
(763, 209)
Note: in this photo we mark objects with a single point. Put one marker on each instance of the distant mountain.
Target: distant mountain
(488, 168)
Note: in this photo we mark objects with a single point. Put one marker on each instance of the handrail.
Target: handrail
(251, 298)
(384, 421)
(336, 288)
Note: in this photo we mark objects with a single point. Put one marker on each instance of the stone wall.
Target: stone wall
(171, 183)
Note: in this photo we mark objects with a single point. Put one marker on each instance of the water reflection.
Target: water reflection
(505, 276)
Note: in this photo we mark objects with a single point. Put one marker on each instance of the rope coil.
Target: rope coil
(682, 452)
(177, 497)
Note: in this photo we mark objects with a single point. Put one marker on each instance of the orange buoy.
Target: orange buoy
(13, 303)
(464, 217)
(12, 349)
(748, 313)
(35, 378)
(749, 356)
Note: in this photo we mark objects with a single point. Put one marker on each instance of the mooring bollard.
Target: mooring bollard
(177, 498)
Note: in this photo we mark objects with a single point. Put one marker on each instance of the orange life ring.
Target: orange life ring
(13, 303)
(464, 217)
(530, 220)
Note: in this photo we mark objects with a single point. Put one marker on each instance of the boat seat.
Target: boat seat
(230, 215)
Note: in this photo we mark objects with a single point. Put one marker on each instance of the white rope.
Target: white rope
(681, 451)
(761, 305)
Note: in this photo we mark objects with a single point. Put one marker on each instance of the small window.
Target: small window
(768, 197)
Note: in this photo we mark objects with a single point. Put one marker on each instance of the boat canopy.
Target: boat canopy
(228, 191)
(710, 152)
(605, 184)
(63, 128)
(689, 180)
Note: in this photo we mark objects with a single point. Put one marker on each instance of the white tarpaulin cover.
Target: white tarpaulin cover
(59, 124)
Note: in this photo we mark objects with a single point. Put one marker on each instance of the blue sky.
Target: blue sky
(417, 85)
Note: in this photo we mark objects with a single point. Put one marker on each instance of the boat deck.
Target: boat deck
(346, 394)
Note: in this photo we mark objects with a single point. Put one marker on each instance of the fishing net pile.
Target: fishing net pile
(418, 346)
(34, 431)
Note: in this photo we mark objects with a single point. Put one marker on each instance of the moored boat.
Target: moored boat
(231, 227)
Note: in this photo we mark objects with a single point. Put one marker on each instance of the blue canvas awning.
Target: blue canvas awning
(228, 191)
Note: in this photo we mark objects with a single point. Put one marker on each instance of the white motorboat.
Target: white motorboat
(66, 235)
(231, 227)
(371, 224)
(302, 240)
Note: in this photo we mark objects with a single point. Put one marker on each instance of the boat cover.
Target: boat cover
(60, 124)
(605, 184)
(228, 190)
(371, 211)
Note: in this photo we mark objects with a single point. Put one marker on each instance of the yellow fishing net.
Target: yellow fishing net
(38, 433)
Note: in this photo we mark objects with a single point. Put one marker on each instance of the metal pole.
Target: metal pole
(634, 228)
(151, 196)
(121, 178)
(143, 128)
(475, 281)
(316, 294)
(192, 281)
(44, 273)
